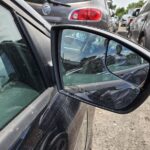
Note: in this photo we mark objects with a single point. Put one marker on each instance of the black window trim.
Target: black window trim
(24, 33)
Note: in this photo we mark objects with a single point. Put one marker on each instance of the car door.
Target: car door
(21, 82)
(28, 105)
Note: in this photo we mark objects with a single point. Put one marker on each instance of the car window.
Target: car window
(20, 79)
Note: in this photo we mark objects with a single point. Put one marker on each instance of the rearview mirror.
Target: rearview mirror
(100, 68)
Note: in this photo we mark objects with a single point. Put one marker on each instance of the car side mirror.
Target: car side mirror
(100, 68)
(136, 13)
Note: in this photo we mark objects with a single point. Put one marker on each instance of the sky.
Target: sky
(123, 3)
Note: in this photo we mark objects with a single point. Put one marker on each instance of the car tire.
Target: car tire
(59, 142)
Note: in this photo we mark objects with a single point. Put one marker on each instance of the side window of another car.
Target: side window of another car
(20, 78)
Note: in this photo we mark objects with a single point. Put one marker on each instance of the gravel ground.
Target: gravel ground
(122, 132)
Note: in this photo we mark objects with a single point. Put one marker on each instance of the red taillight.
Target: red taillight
(88, 14)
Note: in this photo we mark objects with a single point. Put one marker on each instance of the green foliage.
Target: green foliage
(121, 11)
(139, 4)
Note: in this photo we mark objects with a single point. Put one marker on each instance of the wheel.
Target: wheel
(60, 142)
(142, 41)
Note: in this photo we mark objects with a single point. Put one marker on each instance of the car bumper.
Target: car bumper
(59, 20)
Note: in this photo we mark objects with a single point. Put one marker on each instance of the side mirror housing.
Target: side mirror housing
(136, 13)
(100, 68)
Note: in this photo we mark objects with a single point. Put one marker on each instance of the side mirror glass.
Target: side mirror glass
(100, 71)
(126, 64)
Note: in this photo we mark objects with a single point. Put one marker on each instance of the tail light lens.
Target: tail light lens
(86, 14)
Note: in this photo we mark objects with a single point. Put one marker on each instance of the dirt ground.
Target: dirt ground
(122, 132)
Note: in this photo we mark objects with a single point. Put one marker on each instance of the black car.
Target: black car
(93, 13)
(140, 27)
(51, 77)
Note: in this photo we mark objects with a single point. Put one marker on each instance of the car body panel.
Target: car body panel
(141, 25)
(52, 117)
(60, 14)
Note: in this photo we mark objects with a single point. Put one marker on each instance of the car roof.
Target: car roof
(25, 10)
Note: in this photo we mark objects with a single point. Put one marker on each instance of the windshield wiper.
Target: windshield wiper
(58, 3)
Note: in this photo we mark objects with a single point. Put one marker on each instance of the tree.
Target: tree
(120, 12)
(139, 4)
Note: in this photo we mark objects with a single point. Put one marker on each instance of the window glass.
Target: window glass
(20, 79)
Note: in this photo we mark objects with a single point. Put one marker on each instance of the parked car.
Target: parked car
(124, 20)
(130, 25)
(52, 76)
(141, 29)
(115, 23)
(93, 13)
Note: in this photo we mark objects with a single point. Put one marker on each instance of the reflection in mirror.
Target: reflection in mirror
(126, 64)
(84, 72)
(82, 57)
